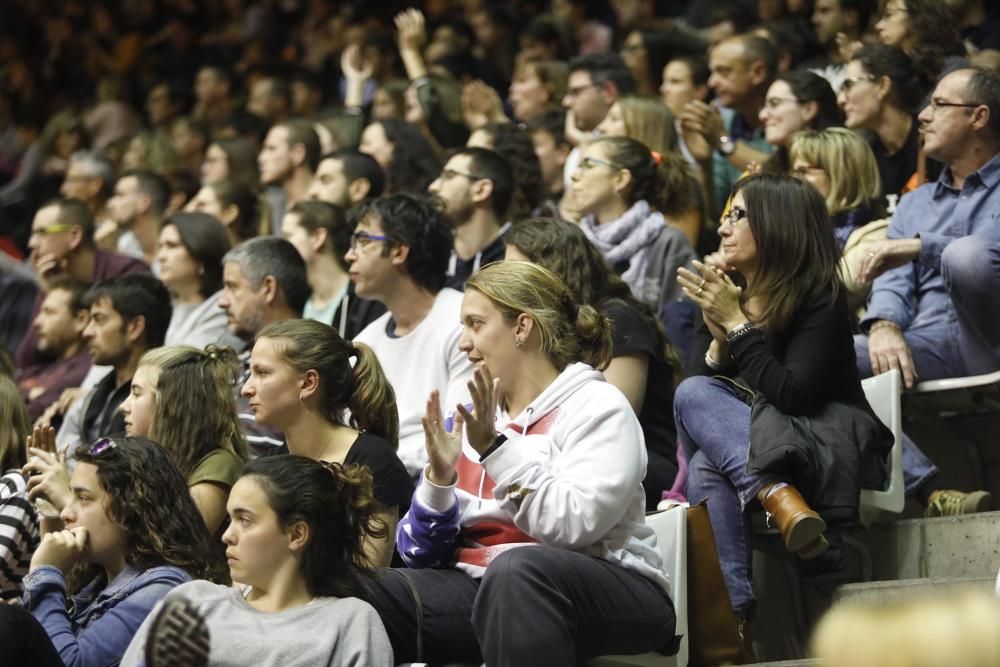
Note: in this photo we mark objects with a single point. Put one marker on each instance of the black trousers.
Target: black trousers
(23, 640)
(536, 605)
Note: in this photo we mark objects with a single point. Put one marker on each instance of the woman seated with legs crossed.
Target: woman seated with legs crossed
(526, 541)
(778, 400)
(302, 384)
(297, 542)
(132, 533)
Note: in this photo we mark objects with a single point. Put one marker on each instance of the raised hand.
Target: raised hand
(354, 65)
(412, 30)
(480, 105)
(480, 424)
(443, 447)
(45, 470)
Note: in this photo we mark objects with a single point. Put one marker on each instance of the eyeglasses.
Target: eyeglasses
(448, 174)
(940, 104)
(734, 215)
(57, 228)
(589, 163)
(850, 82)
(101, 445)
(362, 239)
(576, 90)
(775, 102)
(803, 169)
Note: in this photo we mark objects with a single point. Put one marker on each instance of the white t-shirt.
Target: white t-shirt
(425, 359)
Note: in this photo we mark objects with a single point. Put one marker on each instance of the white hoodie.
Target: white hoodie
(569, 475)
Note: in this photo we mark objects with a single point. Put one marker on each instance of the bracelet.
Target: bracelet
(712, 363)
(883, 324)
(740, 331)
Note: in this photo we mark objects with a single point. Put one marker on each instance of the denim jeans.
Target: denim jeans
(967, 343)
(713, 426)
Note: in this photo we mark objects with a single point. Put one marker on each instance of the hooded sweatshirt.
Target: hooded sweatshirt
(567, 474)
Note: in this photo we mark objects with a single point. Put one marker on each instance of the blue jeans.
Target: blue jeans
(713, 426)
(967, 343)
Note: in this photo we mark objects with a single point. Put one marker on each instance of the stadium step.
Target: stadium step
(902, 590)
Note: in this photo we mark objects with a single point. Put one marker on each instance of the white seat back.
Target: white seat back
(882, 392)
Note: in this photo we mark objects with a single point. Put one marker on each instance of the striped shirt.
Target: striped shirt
(19, 533)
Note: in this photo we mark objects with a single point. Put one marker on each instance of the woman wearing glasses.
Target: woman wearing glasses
(302, 383)
(296, 542)
(627, 196)
(881, 94)
(777, 406)
(796, 101)
(131, 534)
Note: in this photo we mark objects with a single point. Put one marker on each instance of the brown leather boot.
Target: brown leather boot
(801, 527)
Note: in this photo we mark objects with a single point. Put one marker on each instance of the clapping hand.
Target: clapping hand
(716, 295)
(480, 424)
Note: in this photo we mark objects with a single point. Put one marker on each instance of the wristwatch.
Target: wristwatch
(726, 145)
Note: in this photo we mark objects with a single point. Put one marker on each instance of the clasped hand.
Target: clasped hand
(716, 295)
(45, 470)
(445, 447)
(61, 550)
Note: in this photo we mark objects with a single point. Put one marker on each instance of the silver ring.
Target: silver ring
(702, 285)
(871, 254)
(700, 290)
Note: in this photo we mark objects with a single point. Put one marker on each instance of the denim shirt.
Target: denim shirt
(102, 619)
(914, 295)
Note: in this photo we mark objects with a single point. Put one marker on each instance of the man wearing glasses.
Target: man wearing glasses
(62, 244)
(474, 188)
(399, 255)
(932, 310)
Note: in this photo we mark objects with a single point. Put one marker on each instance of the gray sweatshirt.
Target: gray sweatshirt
(327, 631)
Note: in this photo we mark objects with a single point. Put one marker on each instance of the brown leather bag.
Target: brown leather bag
(713, 638)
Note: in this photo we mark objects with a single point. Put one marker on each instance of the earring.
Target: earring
(518, 343)
(201, 270)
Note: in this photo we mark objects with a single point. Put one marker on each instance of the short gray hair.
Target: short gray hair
(984, 88)
(266, 256)
(98, 166)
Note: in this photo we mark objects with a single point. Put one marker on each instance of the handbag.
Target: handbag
(713, 635)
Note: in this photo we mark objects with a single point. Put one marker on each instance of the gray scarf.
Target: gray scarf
(626, 240)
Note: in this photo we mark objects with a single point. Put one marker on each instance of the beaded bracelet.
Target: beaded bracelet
(740, 331)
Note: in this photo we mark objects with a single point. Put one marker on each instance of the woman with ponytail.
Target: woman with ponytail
(528, 520)
(627, 196)
(303, 384)
(182, 399)
(297, 543)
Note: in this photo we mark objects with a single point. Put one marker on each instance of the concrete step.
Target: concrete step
(940, 548)
(875, 592)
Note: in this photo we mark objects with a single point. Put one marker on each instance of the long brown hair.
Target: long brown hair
(364, 390)
(797, 254)
(195, 409)
(13, 426)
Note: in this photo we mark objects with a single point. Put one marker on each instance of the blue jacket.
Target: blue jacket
(914, 295)
(102, 619)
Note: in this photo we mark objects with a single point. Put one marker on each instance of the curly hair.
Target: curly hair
(148, 500)
(513, 143)
(340, 508)
(414, 164)
(195, 409)
(362, 389)
(935, 35)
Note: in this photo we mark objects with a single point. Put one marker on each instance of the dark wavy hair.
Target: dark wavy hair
(150, 502)
(414, 222)
(513, 143)
(361, 389)
(414, 164)
(908, 85)
(669, 186)
(563, 248)
(797, 252)
(935, 35)
(339, 506)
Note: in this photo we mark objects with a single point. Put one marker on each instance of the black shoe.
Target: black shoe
(178, 637)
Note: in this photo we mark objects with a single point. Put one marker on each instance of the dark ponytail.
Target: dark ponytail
(664, 180)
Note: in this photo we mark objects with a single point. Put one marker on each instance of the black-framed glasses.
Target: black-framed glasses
(851, 81)
(362, 239)
(803, 169)
(588, 163)
(575, 91)
(101, 445)
(942, 104)
(448, 174)
(734, 215)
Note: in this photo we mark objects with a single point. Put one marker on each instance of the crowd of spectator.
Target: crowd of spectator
(392, 290)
